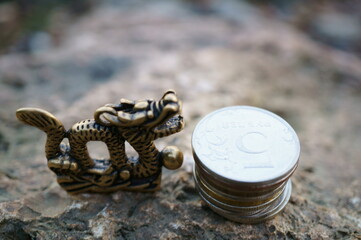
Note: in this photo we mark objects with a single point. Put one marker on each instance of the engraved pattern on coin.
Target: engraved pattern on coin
(254, 143)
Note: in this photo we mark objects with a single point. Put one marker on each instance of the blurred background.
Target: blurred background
(29, 26)
(299, 59)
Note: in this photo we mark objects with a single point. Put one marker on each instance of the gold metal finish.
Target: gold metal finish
(172, 157)
(137, 122)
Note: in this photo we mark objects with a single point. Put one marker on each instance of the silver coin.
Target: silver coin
(246, 145)
(249, 199)
(250, 194)
(259, 216)
(235, 209)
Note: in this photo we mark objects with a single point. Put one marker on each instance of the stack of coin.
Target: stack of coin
(244, 158)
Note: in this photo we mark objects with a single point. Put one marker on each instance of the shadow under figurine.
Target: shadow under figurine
(137, 122)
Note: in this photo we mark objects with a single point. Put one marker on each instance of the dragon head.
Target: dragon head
(162, 115)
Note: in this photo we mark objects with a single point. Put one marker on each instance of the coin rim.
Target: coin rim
(236, 205)
(261, 216)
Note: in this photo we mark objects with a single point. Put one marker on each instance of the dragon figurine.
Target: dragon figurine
(137, 122)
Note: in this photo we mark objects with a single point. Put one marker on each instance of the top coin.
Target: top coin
(246, 145)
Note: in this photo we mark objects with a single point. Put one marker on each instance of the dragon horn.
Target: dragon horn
(108, 111)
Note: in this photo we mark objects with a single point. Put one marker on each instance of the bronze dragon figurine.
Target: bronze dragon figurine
(137, 122)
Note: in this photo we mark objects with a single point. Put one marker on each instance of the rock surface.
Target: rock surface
(224, 54)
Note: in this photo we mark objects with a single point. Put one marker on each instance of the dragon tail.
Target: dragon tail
(46, 122)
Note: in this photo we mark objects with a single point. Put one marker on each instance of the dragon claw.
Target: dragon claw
(63, 164)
